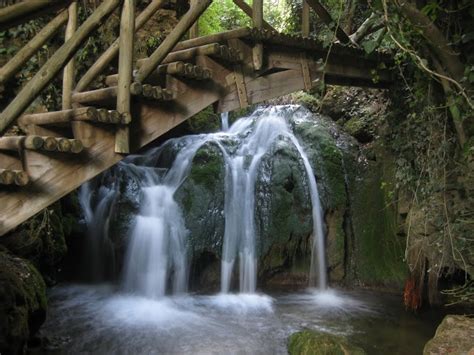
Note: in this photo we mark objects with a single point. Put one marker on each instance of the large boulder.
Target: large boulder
(309, 342)
(22, 302)
(455, 335)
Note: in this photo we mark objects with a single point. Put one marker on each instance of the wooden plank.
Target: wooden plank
(111, 52)
(241, 88)
(29, 49)
(264, 88)
(306, 73)
(127, 31)
(52, 67)
(68, 75)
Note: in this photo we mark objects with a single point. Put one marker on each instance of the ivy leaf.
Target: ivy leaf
(370, 46)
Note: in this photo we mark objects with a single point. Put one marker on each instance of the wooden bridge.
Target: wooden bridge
(95, 128)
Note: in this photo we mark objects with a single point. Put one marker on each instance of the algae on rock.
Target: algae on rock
(309, 342)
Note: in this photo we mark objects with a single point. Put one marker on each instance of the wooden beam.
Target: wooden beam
(109, 55)
(324, 15)
(194, 30)
(52, 67)
(13, 177)
(68, 74)
(20, 13)
(105, 94)
(29, 49)
(214, 38)
(248, 10)
(15, 143)
(257, 18)
(305, 19)
(171, 40)
(127, 31)
(59, 117)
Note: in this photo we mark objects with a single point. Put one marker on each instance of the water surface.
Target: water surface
(98, 319)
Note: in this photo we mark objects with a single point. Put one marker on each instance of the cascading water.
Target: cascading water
(157, 247)
(99, 249)
(225, 121)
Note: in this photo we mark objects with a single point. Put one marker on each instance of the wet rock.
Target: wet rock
(201, 198)
(309, 342)
(455, 335)
(22, 302)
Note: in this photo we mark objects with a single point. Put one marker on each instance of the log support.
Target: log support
(68, 74)
(127, 31)
(257, 18)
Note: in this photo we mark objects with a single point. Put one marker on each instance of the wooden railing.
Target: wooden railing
(62, 59)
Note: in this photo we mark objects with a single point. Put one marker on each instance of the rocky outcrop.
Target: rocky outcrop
(455, 335)
(309, 342)
(22, 302)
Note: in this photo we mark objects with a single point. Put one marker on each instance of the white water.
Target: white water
(157, 254)
(100, 264)
(225, 121)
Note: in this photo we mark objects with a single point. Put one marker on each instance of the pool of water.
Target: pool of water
(98, 319)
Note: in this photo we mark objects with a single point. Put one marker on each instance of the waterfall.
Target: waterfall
(225, 121)
(98, 250)
(157, 250)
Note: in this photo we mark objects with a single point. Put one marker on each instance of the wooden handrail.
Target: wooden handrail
(52, 67)
(172, 39)
(113, 50)
(25, 10)
(24, 54)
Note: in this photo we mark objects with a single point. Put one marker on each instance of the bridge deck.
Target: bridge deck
(290, 64)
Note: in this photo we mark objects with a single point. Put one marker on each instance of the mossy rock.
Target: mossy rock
(201, 198)
(455, 335)
(22, 302)
(309, 342)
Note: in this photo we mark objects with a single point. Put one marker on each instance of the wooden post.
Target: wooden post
(257, 18)
(194, 30)
(68, 74)
(172, 39)
(52, 67)
(249, 12)
(127, 31)
(113, 50)
(25, 53)
(324, 15)
(305, 20)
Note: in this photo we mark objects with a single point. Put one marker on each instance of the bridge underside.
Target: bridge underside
(291, 64)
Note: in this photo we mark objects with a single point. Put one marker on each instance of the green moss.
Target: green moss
(205, 121)
(207, 166)
(23, 306)
(313, 343)
(379, 250)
